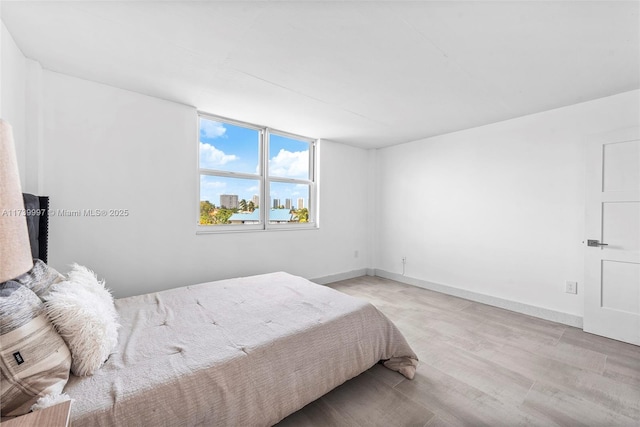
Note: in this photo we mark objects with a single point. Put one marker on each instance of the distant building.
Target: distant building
(288, 204)
(276, 216)
(229, 201)
(300, 203)
(280, 216)
(276, 203)
(256, 200)
(246, 217)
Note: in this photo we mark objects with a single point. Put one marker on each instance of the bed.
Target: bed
(246, 351)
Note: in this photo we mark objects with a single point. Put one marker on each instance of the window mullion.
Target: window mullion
(265, 202)
(313, 196)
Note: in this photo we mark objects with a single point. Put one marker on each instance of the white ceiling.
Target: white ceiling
(370, 74)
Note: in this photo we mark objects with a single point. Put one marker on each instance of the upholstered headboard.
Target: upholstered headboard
(37, 212)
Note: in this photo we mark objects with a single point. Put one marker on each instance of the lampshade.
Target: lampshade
(15, 250)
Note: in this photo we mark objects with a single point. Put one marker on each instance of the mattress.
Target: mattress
(246, 351)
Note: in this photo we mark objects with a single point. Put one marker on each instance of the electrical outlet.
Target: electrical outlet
(572, 287)
(355, 254)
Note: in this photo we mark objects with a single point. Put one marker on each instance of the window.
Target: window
(241, 165)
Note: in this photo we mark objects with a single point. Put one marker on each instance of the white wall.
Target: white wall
(110, 148)
(496, 210)
(13, 94)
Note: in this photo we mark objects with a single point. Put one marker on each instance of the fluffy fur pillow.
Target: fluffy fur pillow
(34, 359)
(83, 312)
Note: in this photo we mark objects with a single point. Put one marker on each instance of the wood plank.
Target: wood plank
(368, 402)
(477, 361)
(474, 334)
(462, 335)
(317, 413)
(436, 299)
(436, 421)
(623, 369)
(623, 359)
(387, 376)
(483, 374)
(518, 321)
(564, 409)
(590, 386)
(460, 404)
(604, 345)
(542, 344)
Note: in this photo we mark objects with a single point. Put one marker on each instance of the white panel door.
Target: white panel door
(612, 248)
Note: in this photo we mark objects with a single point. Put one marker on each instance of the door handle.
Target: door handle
(596, 243)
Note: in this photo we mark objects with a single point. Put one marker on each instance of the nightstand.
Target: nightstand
(53, 416)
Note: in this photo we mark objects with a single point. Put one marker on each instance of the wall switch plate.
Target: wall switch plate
(572, 287)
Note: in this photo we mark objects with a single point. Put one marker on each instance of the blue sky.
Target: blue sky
(233, 148)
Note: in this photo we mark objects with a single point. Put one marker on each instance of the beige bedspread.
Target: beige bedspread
(240, 352)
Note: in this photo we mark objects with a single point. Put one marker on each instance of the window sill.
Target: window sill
(201, 230)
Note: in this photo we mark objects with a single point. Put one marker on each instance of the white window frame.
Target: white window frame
(264, 179)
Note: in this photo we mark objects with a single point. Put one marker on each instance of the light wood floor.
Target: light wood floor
(482, 366)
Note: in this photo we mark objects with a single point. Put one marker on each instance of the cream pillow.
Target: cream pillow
(83, 312)
(34, 360)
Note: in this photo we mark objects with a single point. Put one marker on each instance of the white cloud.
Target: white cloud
(207, 184)
(210, 129)
(210, 190)
(290, 164)
(211, 157)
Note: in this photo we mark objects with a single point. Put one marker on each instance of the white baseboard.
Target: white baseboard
(531, 310)
(343, 276)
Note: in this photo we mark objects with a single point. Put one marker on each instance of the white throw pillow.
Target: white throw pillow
(83, 312)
